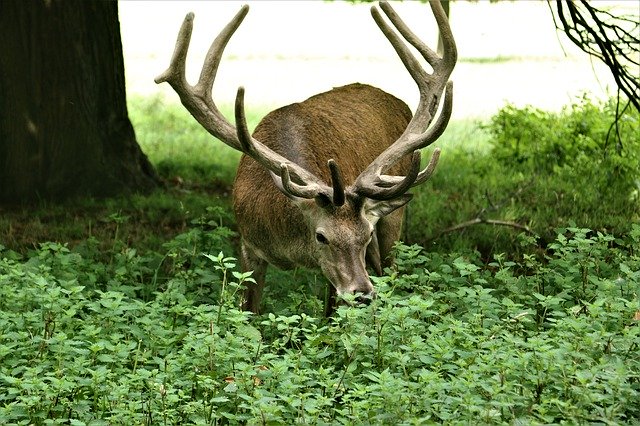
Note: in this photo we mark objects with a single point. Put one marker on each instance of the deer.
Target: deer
(323, 183)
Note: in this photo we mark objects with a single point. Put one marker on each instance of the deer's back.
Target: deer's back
(351, 124)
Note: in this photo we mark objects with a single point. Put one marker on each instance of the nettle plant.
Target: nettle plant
(546, 338)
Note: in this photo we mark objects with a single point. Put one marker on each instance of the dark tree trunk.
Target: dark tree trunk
(64, 126)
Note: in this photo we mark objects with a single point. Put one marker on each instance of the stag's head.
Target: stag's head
(342, 235)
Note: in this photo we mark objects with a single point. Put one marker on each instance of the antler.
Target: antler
(199, 102)
(372, 183)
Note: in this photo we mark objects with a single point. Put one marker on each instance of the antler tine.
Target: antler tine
(176, 70)
(449, 51)
(426, 52)
(337, 183)
(424, 175)
(386, 181)
(196, 99)
(449, 57)
(214, 56)
(430, 135)
(247, 143)
(371, 182)
(388, 189)
(429, 85)
(308, 190)
(418, 74)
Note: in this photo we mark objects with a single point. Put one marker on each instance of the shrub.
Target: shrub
(105, 333)
(580, 137)
(544, 170)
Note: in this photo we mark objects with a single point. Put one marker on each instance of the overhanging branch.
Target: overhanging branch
(615, 40)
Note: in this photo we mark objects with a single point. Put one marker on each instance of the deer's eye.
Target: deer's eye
(321, 238)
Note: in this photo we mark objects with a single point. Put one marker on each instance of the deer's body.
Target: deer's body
(351, 124)
(323, 183)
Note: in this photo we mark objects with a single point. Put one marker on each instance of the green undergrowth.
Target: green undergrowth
(539, 171)
(141, 221)
(158, 338)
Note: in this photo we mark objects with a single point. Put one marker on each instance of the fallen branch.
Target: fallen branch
(482, 221)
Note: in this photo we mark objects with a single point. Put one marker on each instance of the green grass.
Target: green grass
(470, 182)
(178, 146)
(143, 221)
(468, 135)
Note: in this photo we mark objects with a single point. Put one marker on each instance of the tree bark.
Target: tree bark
(64, 125)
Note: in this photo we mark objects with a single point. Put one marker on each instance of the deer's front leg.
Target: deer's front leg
(330, 301)
(253, 294)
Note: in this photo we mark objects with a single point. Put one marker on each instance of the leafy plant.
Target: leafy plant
(540, 339)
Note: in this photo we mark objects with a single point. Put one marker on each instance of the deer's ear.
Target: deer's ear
(378, 209)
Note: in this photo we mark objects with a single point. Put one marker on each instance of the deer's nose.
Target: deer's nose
(363, 291)
(365, 298)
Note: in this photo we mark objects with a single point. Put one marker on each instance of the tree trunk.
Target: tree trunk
(64, 125)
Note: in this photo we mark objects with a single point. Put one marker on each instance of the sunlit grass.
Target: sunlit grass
(467, 134)
(179, 147)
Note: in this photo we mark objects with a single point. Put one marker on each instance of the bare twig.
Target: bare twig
(493, 206)
(482, 221)
(607, 37)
